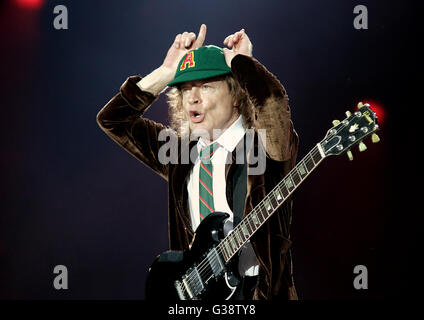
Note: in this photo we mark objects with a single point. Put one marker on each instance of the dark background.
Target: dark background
(70, 196)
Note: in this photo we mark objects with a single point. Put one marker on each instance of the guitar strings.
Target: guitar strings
(203, 266)
(250, 217)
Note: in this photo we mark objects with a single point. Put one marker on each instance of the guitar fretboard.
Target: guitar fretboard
(235, 240)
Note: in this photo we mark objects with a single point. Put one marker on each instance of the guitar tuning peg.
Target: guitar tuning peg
(336, 122)
(348, 114)
(360, 105)
(375, 138)
(349, 155)
(362, 147)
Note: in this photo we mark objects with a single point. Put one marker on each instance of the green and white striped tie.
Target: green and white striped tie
(206, 205)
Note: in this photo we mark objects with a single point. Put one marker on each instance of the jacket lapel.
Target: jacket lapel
(179, 183)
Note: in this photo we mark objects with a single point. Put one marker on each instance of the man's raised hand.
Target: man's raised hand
(239, 43)
(182, 44)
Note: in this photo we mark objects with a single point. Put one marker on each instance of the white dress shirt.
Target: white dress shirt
(227, 141)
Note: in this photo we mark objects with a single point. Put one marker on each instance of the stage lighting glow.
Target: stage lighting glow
(30, 4)
(377, 108)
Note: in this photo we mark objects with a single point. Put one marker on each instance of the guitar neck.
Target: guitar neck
(234, 241)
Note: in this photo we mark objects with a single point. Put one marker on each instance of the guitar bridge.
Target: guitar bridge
(178, 287)
(191, 285)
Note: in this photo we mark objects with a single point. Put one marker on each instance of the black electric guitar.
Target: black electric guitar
(205, 271)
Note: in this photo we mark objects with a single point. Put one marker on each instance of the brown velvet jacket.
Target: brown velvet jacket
(122, 120)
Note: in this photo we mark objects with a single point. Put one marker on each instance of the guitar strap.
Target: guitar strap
(239, 187)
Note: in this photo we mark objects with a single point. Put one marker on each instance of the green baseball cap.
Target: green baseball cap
(202, 63)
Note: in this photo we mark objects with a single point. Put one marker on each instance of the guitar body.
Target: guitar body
(177, 275)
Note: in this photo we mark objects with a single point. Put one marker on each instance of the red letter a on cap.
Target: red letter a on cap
(189, 59)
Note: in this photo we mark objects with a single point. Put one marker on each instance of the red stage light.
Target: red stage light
(30, 4)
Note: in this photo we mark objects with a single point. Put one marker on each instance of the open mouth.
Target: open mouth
(196, 116)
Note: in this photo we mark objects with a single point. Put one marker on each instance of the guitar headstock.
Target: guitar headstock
(352, 130)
